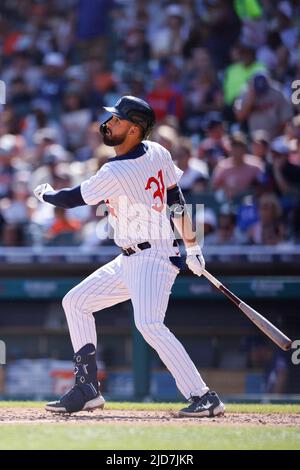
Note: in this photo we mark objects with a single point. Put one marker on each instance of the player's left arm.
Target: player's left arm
(181, 219)
(183, 224)
(66, 198)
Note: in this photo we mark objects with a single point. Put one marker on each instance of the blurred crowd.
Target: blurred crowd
(221, 76)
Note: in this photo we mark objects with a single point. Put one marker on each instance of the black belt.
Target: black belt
(130, 251)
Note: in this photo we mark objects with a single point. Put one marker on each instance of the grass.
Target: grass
(231, 408)
(114, 436)
(127, 436)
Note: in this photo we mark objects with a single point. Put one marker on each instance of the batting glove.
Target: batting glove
(41, 190)
(195, 260)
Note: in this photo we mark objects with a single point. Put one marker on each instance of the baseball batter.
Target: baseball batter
(138, 185)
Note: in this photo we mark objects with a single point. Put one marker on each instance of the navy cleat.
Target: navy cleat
(209, 405)
(85, 394)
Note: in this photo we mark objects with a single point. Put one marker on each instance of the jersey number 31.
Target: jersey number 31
(159, 193)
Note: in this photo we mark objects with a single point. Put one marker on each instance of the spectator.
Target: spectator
(93, 18)
(53, 82)
(135, 56)
(56, 85)
(248, 10)
(216, 144)
(20, 97)
(136, 47)
(165, 100)
(166, 136)
(93, 140)
(260, 143)
(226, 232)
(284, 175)
(264, 106)
(63, 228)
(274, 55)
(52, 157)
(288, 32)
(15, 213)
(75, 119)
(246, 213)
(238, 74)
(193, 168)
(293, 136)
(253, 24)
(237, 173)
(42, 140)
(269, 229)
(38, 119)
(169, 41)
(209, 222)
(7, 170)
(204, 94)
(21, 67)
(221, 15)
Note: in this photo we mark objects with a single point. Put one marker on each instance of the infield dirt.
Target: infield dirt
(12, 415)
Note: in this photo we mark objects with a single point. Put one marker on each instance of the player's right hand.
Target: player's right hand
(195, 260)
(41, 189)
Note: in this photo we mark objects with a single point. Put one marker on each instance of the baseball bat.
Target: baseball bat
(261, 322)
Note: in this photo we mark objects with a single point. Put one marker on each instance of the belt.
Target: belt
(130, 251)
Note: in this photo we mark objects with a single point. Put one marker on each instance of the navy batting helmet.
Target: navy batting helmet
(134, 110)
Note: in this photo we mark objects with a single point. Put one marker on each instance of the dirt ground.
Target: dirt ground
(10, 415)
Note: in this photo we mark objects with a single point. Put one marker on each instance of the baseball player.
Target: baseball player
(138, 184)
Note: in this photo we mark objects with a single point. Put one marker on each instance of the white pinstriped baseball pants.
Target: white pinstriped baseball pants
(146, 278)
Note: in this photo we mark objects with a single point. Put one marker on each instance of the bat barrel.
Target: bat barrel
(267, 327)
(261, 322)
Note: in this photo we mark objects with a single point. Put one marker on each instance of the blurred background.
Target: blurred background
(220, 77)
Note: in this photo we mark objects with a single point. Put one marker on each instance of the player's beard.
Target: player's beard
(113, 141)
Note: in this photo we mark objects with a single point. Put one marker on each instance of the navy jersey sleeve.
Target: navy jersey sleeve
(67, 198)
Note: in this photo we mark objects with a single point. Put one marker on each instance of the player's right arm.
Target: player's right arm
(67, 197)
(99, 187)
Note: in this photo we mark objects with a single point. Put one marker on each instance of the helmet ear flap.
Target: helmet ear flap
(143, 122)
(148, 131)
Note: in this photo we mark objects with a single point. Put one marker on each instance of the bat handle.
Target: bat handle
(212, 279)
(234, 298)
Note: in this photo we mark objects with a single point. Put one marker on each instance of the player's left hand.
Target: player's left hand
(41, 189)
(195, 260)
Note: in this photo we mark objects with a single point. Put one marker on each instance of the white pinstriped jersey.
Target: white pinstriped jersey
(134, 187)
(141, 177)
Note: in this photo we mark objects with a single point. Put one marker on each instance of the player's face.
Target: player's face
(117, 130)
